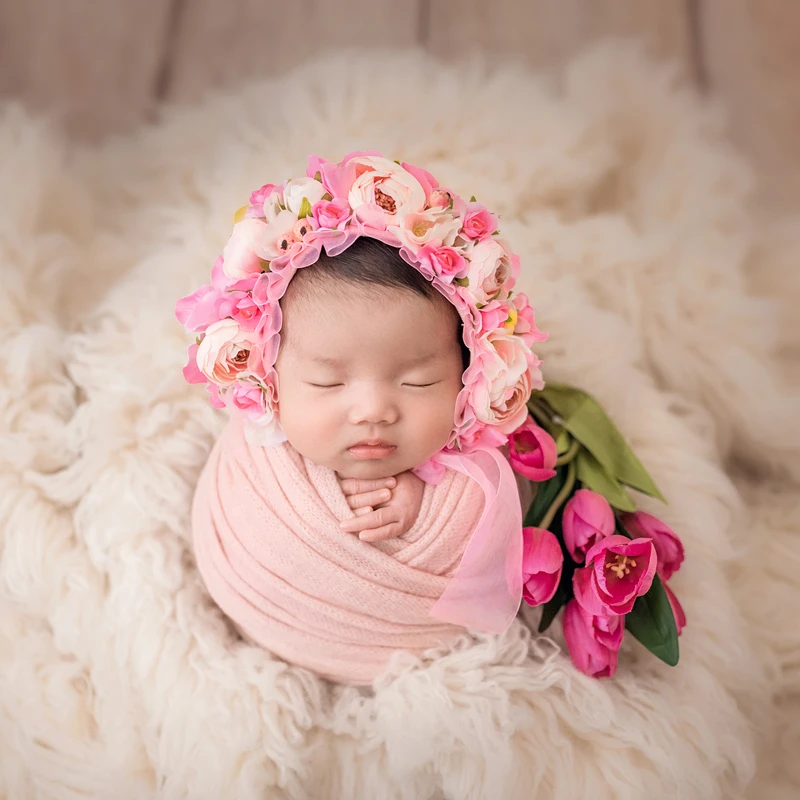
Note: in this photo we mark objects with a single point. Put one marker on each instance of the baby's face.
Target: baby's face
(365, 363)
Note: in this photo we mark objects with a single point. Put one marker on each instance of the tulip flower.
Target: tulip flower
(588, 518)
(533, 452)
(542, 561)
(593, 640)
(669, 547)
(677, 609)
(617, 571)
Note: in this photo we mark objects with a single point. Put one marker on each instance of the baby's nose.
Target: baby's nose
(375, 406)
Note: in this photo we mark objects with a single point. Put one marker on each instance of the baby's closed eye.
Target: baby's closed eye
(409, 385)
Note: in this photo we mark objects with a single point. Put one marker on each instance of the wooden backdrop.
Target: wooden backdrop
(105, 65)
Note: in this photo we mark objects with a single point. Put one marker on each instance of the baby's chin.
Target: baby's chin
(372, 469)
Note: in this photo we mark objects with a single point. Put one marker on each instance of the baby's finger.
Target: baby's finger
(359, 485)
(369, 498)
(365, 519)
(382, 523)
(390, 531)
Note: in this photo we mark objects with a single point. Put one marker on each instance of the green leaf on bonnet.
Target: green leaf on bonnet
(594, 476)
(651, 621)
(586, 420)
(472, 199)
(305, 209)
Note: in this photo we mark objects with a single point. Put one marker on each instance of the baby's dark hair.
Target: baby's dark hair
(371, 261)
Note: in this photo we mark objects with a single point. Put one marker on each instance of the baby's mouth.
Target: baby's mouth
(372, 448)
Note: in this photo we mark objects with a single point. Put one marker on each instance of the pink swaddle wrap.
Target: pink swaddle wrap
(270, 550)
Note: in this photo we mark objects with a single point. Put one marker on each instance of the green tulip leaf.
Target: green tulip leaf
(586, 420)
(594, 476)
(651, 621)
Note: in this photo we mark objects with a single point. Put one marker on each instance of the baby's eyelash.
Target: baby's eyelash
(334, 385)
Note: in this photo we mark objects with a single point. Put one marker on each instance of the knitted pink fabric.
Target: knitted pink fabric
(270, 550)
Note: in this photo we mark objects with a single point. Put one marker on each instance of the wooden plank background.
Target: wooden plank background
(105, 65)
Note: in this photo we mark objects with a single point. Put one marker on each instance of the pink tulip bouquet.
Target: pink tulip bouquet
(586, 547)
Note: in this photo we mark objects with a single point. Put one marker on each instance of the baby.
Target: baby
(362, 329)
(369, 370)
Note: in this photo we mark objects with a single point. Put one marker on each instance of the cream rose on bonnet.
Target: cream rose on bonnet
(383, 183)
(500, 379)
(241, 255)
(224, 353)
(489, 269)
(301, 189)
(418, 228)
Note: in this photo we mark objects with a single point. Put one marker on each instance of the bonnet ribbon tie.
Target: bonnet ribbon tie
(485, 592)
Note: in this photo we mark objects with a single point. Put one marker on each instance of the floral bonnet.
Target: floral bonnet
(455, 244)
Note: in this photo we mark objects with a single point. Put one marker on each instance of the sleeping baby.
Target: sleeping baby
(369, 371)
(362, 329)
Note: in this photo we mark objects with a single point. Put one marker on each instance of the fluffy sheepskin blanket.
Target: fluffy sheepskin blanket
(663, 296)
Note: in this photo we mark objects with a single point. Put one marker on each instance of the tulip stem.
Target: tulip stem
(570, 454)
(569, 483)
(543, 417)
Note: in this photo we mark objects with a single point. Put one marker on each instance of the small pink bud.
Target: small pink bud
(588, 518)
(532, 452)
(542, 561)
(593, 640)
(669, 547)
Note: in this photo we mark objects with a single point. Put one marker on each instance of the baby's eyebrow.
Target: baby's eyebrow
(327, 361)
(412, 362)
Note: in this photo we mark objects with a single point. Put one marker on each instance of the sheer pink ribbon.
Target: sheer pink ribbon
(486, 589)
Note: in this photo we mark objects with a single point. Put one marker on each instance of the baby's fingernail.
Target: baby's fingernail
(391, 483)
(385, 495)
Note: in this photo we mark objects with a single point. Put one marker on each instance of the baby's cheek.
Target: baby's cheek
(439, 416)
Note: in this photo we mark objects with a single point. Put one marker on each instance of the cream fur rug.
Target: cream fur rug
(662, 295)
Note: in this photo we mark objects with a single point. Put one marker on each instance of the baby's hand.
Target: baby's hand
(379, 517)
